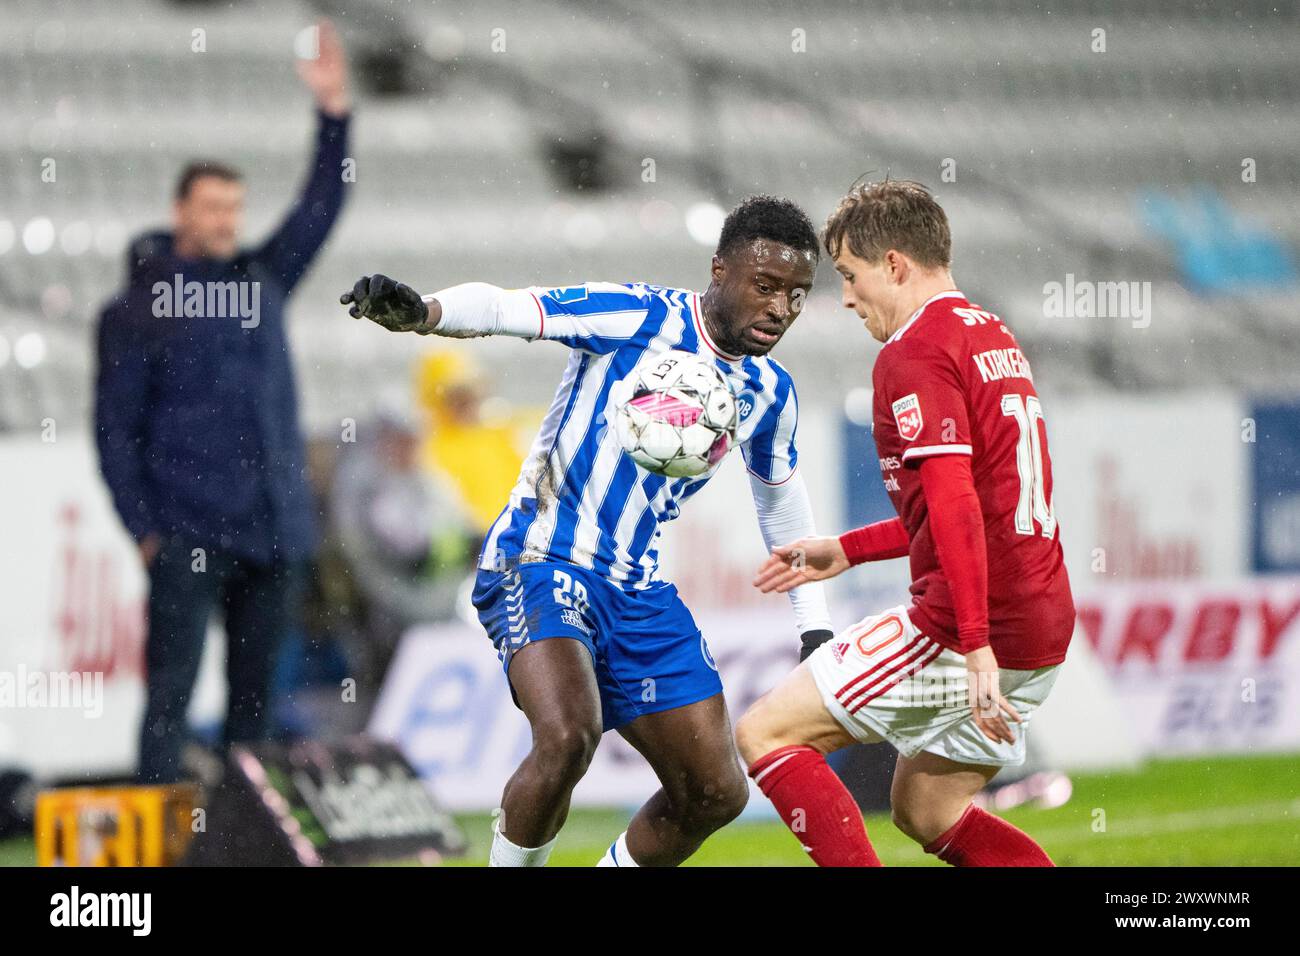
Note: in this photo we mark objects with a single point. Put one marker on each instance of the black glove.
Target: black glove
(386, 302)
(811, 641)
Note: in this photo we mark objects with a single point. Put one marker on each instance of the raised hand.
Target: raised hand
(327, 75)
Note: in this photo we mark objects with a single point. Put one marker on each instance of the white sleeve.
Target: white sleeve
(594, 317)
(478, 308)
(785, 515)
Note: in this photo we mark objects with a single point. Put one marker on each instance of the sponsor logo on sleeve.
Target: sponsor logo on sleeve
(907, 416)
(567, 294)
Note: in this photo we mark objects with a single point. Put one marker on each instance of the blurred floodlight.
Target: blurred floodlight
(77, 237)
(584, 230)
(38, 236)
(704, 222)
(110, 238)
(29, 350)
(857, 406)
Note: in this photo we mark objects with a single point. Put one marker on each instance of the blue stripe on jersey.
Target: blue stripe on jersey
(580, 301)
(647, 523)
(579, 470)
(508, 544)
(692, 486)
(690, 338)
(515, 536)
(620, 490)
(615, 529)
(760, 459)
(611, 509)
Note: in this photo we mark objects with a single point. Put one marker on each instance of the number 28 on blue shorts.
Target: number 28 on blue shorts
(647, 650)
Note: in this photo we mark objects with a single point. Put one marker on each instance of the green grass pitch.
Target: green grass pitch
(1225, 811)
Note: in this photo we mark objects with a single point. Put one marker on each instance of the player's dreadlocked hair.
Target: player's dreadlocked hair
(890, 214)
(767, 217)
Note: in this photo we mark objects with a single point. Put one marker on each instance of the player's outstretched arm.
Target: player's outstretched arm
(462, 311)
(474, 309)
(820, 558)
(815, 558)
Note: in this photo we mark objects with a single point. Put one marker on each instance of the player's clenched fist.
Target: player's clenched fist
(387, 302)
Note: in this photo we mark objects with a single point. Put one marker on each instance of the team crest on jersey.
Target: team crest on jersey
(746, 401)
(707, 654)
(907, 416)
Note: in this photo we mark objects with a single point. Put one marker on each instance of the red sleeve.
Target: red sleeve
(876, 542)
(957, 526)
(924, 390)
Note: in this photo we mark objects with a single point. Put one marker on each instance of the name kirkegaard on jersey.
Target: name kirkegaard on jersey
(1098, 300)
(74, 908)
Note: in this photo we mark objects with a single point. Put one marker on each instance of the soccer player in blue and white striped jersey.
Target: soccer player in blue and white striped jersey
(574, 553)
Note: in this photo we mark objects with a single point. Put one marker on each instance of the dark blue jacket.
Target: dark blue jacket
(196, 418)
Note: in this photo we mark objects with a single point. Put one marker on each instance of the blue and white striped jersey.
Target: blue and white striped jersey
(579, 497)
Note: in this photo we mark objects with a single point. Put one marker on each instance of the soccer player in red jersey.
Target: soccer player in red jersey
(951, 679)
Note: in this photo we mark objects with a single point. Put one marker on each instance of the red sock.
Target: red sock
(815, 805)
(981, 839)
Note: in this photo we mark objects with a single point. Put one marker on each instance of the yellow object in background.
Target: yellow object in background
(114, 826)
(479, 458)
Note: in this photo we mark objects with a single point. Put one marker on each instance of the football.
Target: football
(679, 416)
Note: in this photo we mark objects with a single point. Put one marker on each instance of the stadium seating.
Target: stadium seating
(462, 175)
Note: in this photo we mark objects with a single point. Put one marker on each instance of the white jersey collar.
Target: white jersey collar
(697, 313)
(950, 294)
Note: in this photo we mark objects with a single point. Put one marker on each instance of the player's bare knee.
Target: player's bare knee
(903, 818)
(756, 731)
(567, 747)
(918, 820)
(731, 799)
(708, 804)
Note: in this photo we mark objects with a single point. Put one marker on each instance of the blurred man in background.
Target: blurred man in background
(406, 536)
(197, 426)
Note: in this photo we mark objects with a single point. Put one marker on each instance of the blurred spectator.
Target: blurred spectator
(314, 659)
(197, 427)
(479, 458)
(408, 541)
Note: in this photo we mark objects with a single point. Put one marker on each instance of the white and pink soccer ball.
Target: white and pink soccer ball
(679, 418)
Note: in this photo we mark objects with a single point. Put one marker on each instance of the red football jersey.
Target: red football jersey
(952, 381)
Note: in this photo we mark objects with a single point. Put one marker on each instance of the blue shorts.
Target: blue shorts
(647, 650)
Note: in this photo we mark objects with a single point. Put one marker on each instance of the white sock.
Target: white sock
(505, 853)
(617, 854)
